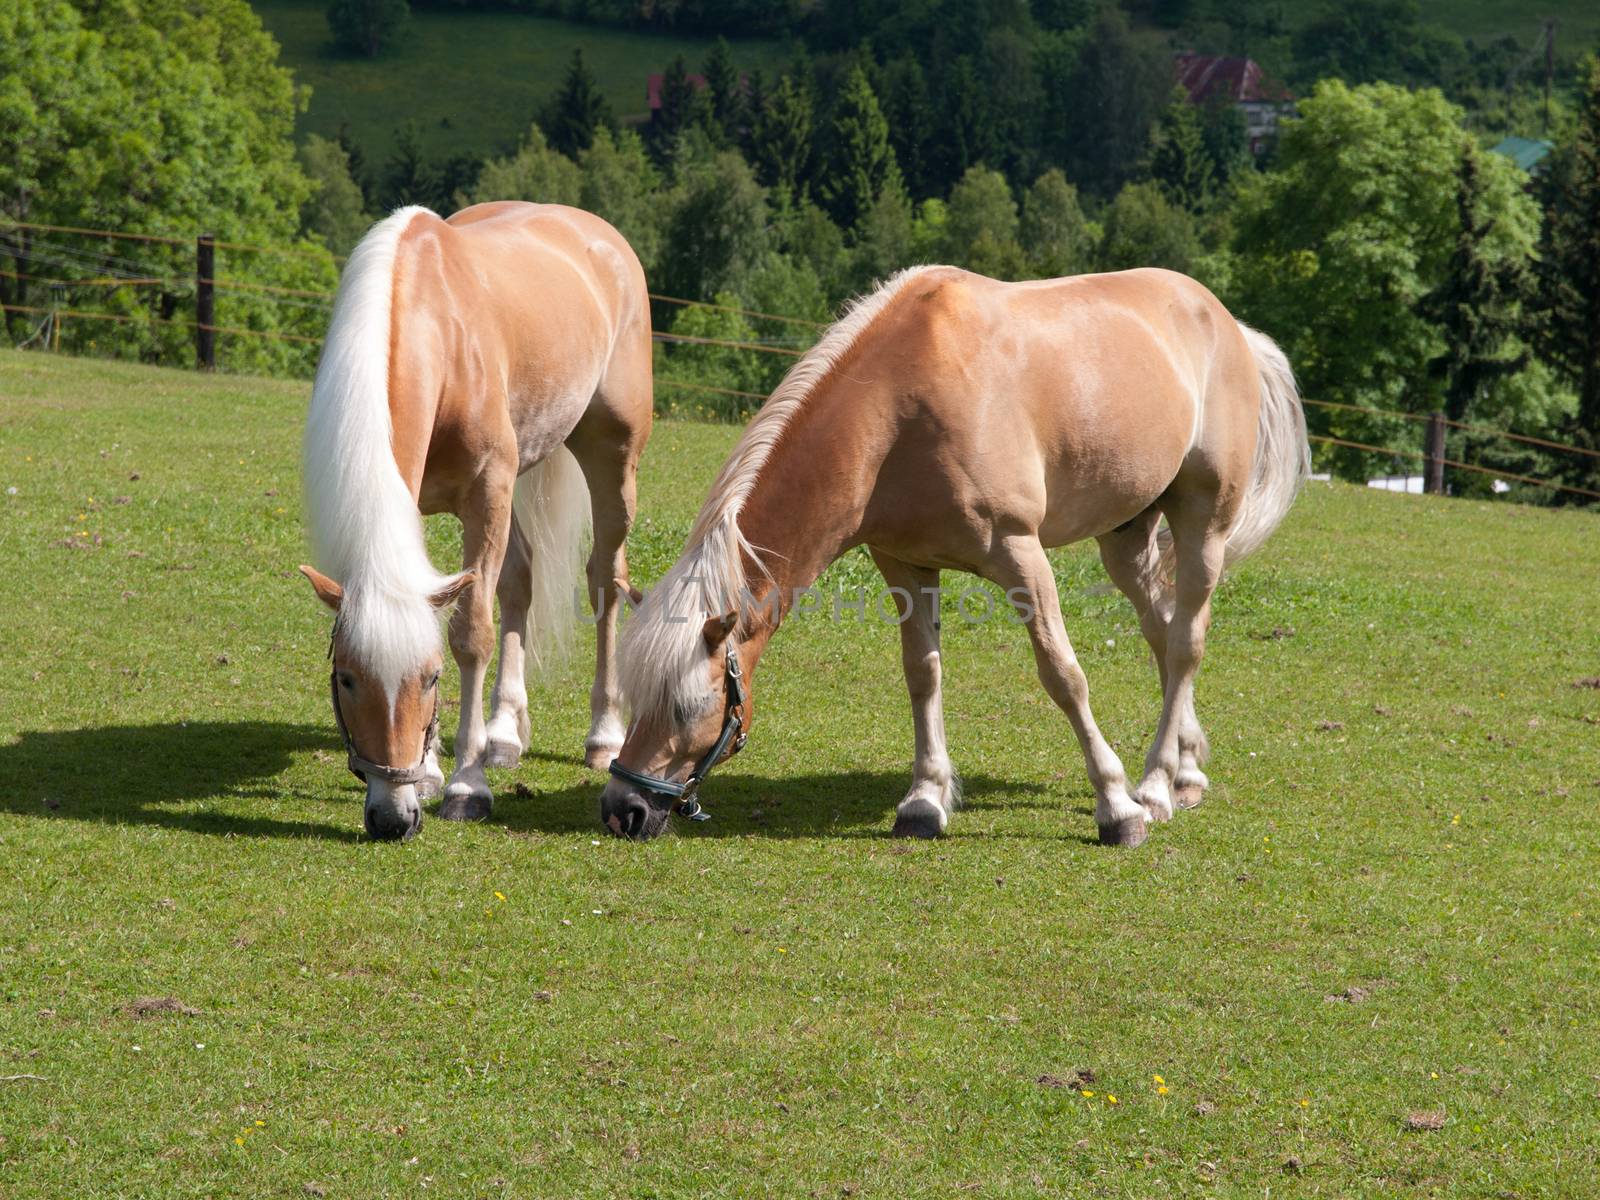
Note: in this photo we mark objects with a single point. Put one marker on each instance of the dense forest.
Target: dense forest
(1403, 264)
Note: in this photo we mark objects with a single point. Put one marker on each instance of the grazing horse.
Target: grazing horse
(952, 421)
(497, 366)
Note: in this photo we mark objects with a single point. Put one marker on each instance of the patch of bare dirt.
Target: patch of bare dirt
(1425, 1120)
(155, 1006)
(1589, 681)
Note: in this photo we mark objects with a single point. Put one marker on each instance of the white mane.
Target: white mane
(662, 654)
(365, 530)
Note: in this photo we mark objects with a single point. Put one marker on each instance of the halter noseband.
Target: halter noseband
(362, 767)
(733, 734)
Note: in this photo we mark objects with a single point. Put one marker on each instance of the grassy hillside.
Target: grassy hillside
(1382, 920)
(471, 80)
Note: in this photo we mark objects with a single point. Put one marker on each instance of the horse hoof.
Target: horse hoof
(598, 758)
(1129, 832)
(502, 754)
(1188, 795)
(467, 807)
(919, 821)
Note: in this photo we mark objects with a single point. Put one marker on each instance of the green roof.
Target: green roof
(1525, 152)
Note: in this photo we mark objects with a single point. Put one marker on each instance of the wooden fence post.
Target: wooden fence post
(1433, 456)
(205, 302)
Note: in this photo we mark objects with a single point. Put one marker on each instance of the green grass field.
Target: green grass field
(1384, 916)
(472, 81)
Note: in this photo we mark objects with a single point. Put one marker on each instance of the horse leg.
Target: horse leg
(935, 789)
(1132, 560)
(1023, 570)
(609, 458)
(508, 731)
(1199, 552)
(485, 528)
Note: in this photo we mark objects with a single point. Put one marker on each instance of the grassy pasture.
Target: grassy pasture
(1386, 909)
(472, 80)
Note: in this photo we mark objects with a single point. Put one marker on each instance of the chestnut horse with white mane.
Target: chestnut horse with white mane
(952, 421)
(496, 366)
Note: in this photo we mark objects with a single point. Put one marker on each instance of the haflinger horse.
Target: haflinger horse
(495, 365)
(953, 421)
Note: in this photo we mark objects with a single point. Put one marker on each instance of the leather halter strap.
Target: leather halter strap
(733, 735)
(362, 767)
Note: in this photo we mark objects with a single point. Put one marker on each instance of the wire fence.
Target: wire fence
(100, 271)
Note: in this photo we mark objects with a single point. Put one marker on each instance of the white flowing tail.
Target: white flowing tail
(1283, 456)
(551, 507)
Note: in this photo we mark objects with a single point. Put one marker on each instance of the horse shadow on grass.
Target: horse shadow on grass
(157, 774)
(163, 775)
(836, 804)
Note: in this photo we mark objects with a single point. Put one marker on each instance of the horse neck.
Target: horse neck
(807, 505)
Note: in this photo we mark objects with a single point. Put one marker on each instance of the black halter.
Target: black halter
(729, 742)
(362, 767)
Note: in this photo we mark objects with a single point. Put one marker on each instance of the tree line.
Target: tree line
(1402, 265)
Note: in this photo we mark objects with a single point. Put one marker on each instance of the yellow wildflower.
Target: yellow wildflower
(1161, 1091)
(1110, 1099)
(1087, 1094)
(500, 896)
(1158, 1079)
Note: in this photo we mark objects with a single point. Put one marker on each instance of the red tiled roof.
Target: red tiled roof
(652, 87)
(1238, 80)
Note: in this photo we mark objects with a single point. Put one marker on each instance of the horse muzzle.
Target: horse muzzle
(392, 814)
(628, 813)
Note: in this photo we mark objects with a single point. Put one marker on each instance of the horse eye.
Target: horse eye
(432, 683)
(347, 682)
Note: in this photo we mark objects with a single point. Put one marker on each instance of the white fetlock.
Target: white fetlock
(1189, 786)
(432, 781)
(1155, 797)
(604, 742)
(505, 739)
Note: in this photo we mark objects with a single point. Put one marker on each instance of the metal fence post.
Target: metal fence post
(205, 302)
(1433, 456)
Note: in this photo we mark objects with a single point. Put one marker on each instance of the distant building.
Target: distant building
(1215, 78)
(1527, 153)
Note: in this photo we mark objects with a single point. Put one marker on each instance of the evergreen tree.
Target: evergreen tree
(356, 159)
(578, 111)
(1113, 97)
(725, 109)
(680, 105)
(781, 140)
(367, 26)
(965, 130)
(1478, 304)
(1570, 270)
(1226, 135)
(904, 90)
(860, 160)
(408, 178)
(1179, 162)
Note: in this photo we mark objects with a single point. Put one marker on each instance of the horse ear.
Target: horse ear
(716, 629)
(633, 593)
(451, 591)
(329, 592)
